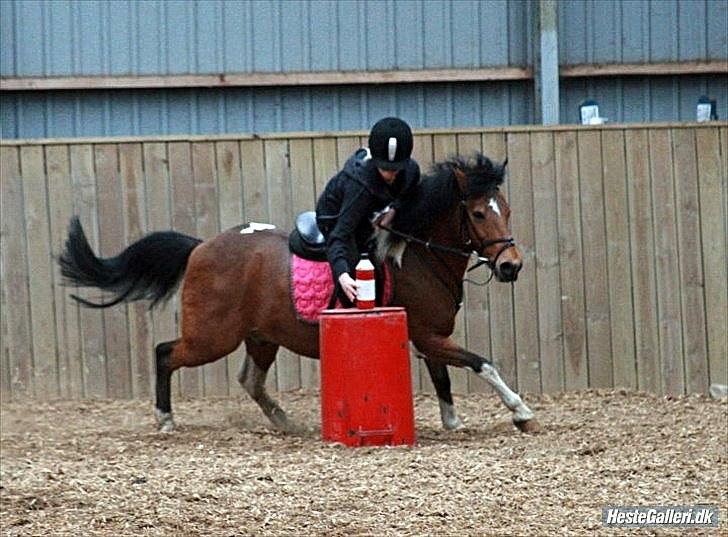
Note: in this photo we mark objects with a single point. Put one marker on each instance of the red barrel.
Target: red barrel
(366, 387)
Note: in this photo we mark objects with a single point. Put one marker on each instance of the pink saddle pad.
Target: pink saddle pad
(312, 286)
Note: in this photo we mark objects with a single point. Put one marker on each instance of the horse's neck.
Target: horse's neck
(447, 232)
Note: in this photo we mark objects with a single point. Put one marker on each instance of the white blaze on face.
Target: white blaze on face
(494, 205)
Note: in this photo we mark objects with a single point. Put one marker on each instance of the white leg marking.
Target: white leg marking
(450, 420)
(252, 378)
(512, 400)
(164, 421)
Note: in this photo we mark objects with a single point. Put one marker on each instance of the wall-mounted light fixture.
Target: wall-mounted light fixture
(707, 109)
(589, 113)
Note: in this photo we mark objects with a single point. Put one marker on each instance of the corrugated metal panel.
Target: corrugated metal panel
(128, 37)
(638, 99)
(598, 31)
(204, 111)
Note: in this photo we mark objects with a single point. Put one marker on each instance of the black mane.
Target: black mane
(438, 190)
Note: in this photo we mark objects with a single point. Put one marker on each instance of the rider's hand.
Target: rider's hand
(349, 286)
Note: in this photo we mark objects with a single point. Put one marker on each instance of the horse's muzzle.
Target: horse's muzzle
(507, 271)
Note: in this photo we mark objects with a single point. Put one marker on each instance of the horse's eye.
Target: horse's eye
(479, 215)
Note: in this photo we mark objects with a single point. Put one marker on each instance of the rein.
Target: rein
(480, 260)
(467, 231)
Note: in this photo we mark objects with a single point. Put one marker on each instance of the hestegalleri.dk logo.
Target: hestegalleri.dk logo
(696, 516)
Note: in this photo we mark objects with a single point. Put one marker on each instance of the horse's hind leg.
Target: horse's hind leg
(441, 380)
(253, 371)
(163, 353)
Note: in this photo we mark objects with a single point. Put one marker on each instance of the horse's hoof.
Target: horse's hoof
(292, 428)
(165, 423)
(531, 426)
(454, 424)
(166, 427)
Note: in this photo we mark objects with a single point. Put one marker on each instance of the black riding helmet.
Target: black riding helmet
(390, 143)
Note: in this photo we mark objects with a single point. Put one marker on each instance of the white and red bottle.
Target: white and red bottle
(366, 292)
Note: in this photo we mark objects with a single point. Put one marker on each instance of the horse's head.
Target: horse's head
(486, 214)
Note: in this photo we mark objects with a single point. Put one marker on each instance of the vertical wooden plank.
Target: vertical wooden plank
(576, 374)
(596, 291)
(92, 322)
(40, 275)
(324, 162)
(15, 276)
(524, 290)
(111, 243)
(280, 209)
(345, 147)
(619, 266)
(502, 329)
(183, 220)
(68, 343)
(666, 263)
(304, 199)
(5, 390)
(643, 255)
(545, 216)
(214, 374)
(141, 345)
(324, 167)
(690, 260)
(255, 203)
(422, 153)
(230, 186)
(159, 218)
(712, 187)
(444, 146)
(476, 313)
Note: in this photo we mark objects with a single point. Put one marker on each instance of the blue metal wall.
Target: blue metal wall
(640, 31)
(168, 37)
(201, 111)
(127, 37)
(643, 99)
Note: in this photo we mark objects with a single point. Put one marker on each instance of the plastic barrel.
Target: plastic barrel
(366, 387)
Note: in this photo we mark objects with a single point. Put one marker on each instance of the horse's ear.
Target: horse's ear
(462, 180)
(502, 168)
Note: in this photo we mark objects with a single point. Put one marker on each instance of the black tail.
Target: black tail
(149, 269)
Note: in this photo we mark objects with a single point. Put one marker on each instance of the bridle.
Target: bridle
(468, 236)
(466, 221)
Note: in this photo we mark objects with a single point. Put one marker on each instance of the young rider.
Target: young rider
(374, 179)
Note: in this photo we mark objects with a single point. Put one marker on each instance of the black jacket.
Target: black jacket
(344, 209)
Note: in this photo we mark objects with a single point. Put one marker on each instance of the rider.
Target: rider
(374, 179)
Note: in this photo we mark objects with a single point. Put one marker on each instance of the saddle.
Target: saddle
(306, 240)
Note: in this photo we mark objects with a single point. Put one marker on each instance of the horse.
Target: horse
(235, 287)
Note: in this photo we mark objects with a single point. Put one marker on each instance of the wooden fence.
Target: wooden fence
(623, 229)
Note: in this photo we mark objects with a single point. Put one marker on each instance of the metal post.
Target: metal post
(546, 63)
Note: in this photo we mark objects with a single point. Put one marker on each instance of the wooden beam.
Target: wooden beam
(264, 79)
(15, 142)
(645, 69)
(326, 78)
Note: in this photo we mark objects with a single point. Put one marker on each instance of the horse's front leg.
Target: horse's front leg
(446, 351)
(441, 381)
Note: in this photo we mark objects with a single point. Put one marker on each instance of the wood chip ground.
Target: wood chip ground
(100, 468)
